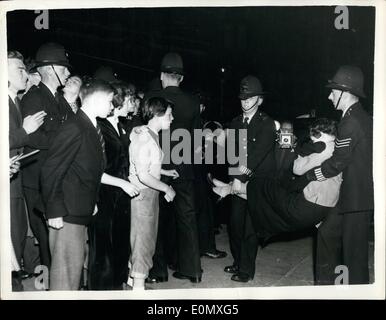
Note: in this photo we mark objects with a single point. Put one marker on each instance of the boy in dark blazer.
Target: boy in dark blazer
(71, 177)
(19, 130)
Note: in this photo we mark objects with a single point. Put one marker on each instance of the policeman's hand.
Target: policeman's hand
(33, 122)
(129, 188)
(56, 223)
(310, 175)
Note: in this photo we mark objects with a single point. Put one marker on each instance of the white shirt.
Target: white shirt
(12, 95)
(249, 116)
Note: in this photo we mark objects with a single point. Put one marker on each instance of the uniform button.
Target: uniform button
(51, 118)
(254, 139)
(245, 147)
(246, 155)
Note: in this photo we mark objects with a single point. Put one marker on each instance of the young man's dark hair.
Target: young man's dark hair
(92, 86)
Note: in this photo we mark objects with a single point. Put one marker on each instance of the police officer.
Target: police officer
(52, 64)
(258, 148)
(343, 236)
(186, 113)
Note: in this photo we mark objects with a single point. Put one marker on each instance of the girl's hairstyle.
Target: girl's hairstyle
(323, 125)
(121, 91)
(92, 86)
(155, 106)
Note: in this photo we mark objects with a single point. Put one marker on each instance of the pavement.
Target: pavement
(287, 261)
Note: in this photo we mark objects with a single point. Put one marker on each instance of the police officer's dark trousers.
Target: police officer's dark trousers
(243, 239)
(189, 263)
(205, 216)
(343, 241)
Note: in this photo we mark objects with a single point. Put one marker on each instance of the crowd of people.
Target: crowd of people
(106, 204)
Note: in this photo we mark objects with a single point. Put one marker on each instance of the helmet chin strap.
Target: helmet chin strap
(257, 100)
(60, 82)
(340, 97)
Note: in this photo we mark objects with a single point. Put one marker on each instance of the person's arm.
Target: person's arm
(239, 188)
(303, 164)
(60, 157)
(345, 143)
(19, 137)
(32, 109)
(242, 195)
(170, 173)
(142, 161)
(126, 186)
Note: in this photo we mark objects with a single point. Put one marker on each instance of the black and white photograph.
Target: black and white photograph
(192, 150)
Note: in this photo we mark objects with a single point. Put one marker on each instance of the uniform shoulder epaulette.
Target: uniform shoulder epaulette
(263, 115)
(33, 88)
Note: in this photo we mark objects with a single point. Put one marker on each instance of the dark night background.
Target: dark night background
(293, 50)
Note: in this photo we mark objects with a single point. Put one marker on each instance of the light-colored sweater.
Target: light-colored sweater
(145, 155)
(324, 193)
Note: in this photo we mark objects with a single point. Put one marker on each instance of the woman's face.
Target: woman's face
(129, 104)
(166, 119)
(123, 110)
(73, 85)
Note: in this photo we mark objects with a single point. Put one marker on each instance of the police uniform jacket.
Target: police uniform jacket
(353, 157)
(258, 146)
(40, 98)
(186, 113)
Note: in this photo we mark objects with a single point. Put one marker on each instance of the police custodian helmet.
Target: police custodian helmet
(51, 54)
(348, 78)
(250, 86)
(172, 63)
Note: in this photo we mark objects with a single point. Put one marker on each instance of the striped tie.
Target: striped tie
(101, 140)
